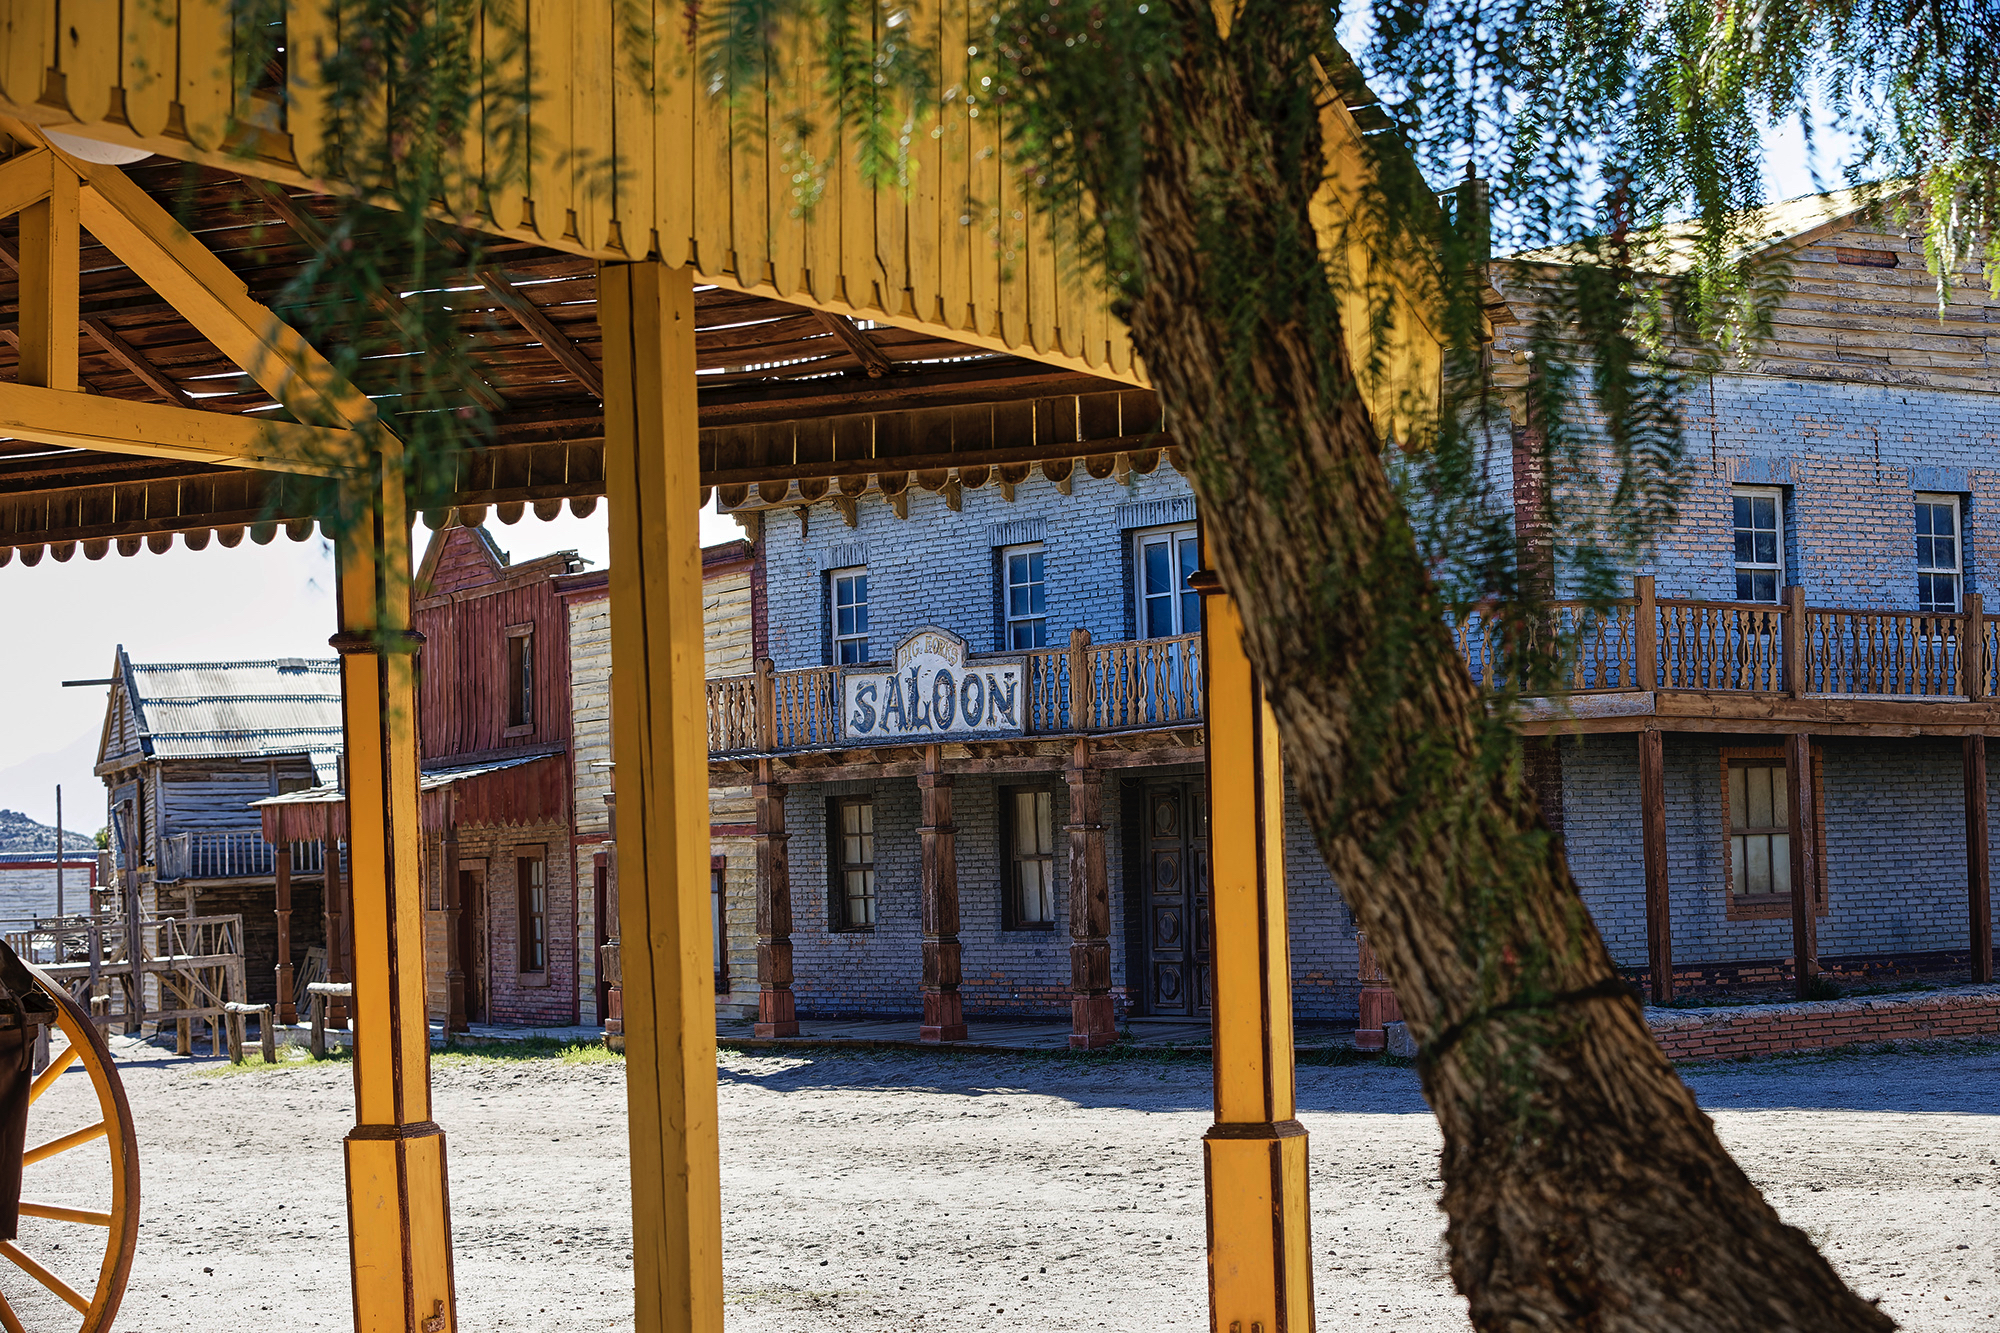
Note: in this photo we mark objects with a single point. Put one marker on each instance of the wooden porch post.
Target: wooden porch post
(776, 1015)
(454, 912)
(944, 1008)
(332, 891)
(286, 1010)
(1093, 1018)
(1805, 862)
(399, 1224)
(1259, 1226)
(660, 752)
(1653, 843)
(1978, 865)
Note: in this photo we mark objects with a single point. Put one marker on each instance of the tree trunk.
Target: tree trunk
(1584, 1188)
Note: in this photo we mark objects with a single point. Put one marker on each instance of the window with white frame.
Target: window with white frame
(1162, 560)
(1940, 553)
(1024, 598)
(1760, 543)
(848, 591)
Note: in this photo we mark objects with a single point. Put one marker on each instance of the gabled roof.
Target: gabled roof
(240, 710)
(1788, 223)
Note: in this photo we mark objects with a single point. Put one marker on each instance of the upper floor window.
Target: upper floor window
(1024, 597)
(1162, 560)
(521, 676)
(1940, 553)
(1760, 544)
(849, 591)
(853, 905)
(1029, 814)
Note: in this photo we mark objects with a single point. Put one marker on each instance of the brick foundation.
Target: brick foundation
(1770, 1029)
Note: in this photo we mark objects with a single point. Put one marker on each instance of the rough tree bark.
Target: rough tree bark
(1584, 1188)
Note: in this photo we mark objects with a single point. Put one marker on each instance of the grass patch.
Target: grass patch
(289, 1057)
(458, 1051)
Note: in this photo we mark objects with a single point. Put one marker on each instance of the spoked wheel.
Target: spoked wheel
(79, 1192)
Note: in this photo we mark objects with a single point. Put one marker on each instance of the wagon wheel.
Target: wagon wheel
(79, 1180)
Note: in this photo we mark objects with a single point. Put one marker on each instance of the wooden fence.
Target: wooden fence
(1651, 643)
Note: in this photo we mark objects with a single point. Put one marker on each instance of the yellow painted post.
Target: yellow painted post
(398, 1203)
(1259, 1230)
(660, 744)
(51, 270)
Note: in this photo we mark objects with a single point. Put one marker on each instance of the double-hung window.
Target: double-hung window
(1031, 858)
(1162, 560)
(1940, 554)
(521, 677)
(1759, 517)
(848, 590)
(1024, 598)
(1760, 830)
(853, 905)
(531, 888)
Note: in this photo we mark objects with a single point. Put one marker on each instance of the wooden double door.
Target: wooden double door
(1176, 897)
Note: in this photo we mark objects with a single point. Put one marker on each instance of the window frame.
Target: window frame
(1175, 536)
(838, 909)
(1776, 494)
(1957, 571)
(835, 639)
(1759, 907)
(718, 916)
(531, 914)
(1011, 916)
(520, 676)
(1039, 635)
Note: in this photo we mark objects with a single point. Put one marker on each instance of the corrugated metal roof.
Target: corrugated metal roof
(195, 710)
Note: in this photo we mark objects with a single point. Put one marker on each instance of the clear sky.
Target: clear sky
(65, 621)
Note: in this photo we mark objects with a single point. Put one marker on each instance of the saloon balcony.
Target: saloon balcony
(1679, 664)
(1113, 705)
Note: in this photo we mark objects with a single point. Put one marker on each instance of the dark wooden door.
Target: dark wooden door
(602, 900)
(472, 941)
(1176, 892)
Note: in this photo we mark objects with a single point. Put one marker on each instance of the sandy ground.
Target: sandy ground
(905, 1191)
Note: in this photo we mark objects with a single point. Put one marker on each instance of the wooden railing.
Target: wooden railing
(1650, 643)
(1083, 687)
(228, 854)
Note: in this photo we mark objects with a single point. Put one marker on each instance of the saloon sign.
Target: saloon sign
(934, 691)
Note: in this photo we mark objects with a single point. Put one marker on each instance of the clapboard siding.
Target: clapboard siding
(590, 708)
(216, 794)
(727, 642)
(464, 618)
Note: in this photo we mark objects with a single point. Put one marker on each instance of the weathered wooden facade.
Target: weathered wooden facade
(185, 749)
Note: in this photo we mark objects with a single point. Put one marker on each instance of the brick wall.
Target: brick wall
(1767, 1029)
(1895, 847)
(508, 999)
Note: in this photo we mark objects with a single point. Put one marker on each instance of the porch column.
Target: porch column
(1805, 862)
(286, 1010)
(1259, 1228)
(454, 914)
(1978, 866)
(660, 753)
(776, 1016)
(331, 892)
(1093, 1019)
(1653, 849)
(944, 1009)
(399, 1224)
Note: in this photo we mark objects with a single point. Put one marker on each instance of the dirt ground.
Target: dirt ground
(911, 1191)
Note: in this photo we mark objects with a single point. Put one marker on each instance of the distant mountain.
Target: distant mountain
(18, 833)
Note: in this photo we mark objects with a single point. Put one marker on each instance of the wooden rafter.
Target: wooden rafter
(530, 317)
(77, 421)
(865, 351)
(135, 361)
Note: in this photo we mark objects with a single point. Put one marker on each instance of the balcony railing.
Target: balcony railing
(229, 854)
(1644, 643)
(1085, 687)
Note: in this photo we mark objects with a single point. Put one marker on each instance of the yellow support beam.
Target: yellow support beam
(660, 743)
(398, 1210)
(119, 426)
(1259, 1226)
(51, 271)
(24, 180)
